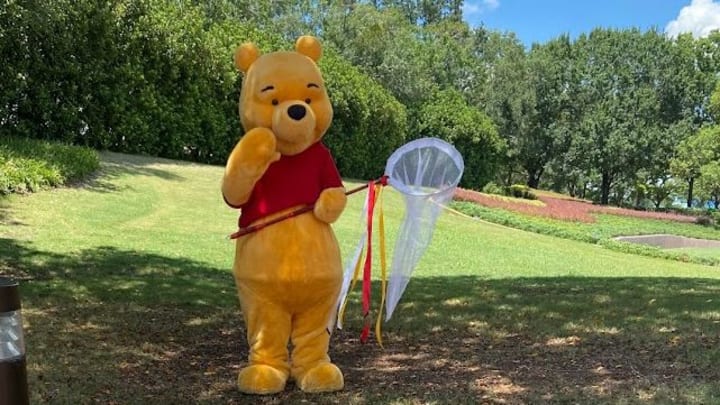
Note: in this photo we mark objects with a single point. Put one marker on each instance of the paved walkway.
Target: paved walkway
(670, 241)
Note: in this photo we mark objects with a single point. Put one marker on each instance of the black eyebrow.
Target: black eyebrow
(313, 85)
(267, 88)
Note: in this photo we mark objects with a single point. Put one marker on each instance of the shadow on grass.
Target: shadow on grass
(115, 165)
(5, 214)
(110, 325)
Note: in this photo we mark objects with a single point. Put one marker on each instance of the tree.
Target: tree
(386, 46)
(552, 79)
(368, 122)
(709, 182)
(694, 158)
(622, 128)
(507, 97)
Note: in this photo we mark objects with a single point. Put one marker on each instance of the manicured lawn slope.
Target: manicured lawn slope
(128, 298)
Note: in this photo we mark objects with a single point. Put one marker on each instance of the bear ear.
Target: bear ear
(309, 46)
(245, 55)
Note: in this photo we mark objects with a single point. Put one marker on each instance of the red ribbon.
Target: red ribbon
(367, 270)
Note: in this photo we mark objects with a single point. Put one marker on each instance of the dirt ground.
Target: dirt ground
(180, 364)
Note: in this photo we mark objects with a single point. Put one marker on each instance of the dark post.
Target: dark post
(13, 371)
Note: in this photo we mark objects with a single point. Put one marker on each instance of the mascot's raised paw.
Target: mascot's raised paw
(247, 163)
(257, 149)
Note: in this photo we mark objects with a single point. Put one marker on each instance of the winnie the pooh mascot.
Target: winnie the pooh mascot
(288, 274)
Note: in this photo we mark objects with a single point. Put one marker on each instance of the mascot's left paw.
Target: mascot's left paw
(325, 377)
(330, 204)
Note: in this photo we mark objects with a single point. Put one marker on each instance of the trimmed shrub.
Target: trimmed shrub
(521, 191)
(705, 220)
(600, 235)
(492, 188)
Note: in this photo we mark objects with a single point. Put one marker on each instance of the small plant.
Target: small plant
(715, 215)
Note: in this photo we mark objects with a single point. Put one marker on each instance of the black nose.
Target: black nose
(297, 112)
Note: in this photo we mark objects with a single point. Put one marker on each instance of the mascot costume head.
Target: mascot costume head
(288, 274)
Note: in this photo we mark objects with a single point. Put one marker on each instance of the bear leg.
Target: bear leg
(311, 366)
(268, 332)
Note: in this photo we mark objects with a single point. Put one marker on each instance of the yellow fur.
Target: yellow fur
(289, 274)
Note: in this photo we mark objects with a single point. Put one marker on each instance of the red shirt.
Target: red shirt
(291, 181)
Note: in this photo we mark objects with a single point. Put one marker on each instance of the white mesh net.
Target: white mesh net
(426, 171)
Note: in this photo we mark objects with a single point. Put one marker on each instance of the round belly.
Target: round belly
(297, 250)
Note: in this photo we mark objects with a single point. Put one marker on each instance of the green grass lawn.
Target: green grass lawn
(128, 298)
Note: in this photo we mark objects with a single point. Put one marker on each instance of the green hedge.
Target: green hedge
(28, 165)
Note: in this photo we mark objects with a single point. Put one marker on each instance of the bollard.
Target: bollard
(13, 370)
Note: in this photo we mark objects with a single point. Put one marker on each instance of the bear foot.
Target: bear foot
(325, 377)
(261, 379)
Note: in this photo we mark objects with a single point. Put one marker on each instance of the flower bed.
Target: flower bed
(560, 208)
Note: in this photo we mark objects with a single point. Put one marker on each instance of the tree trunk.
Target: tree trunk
(691, 182)
(534, 178)
(605, 188)
(638, 198)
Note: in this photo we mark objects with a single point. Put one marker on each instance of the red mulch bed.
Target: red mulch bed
(562, 209)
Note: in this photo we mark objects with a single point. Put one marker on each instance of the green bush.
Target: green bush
(715, 215)
(521, 191)
(28, 165)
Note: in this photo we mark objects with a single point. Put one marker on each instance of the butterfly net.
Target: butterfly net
(426, 171)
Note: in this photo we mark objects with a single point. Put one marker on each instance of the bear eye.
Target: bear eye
(275, 101)
(307, 101)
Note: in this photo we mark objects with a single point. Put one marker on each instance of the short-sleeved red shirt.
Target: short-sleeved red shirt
(291, 181)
